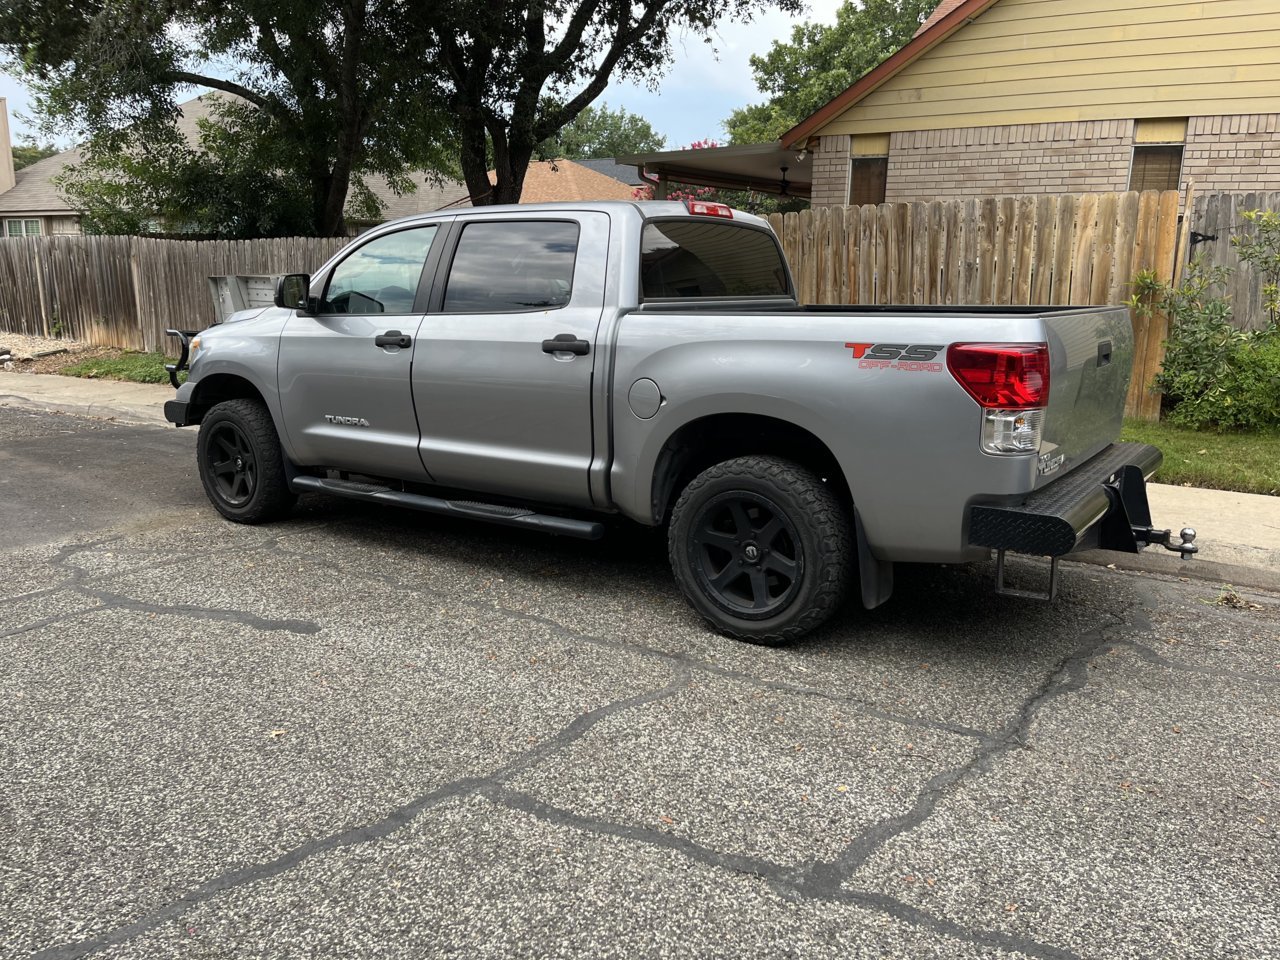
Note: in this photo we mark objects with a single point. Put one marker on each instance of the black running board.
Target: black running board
(472, 510)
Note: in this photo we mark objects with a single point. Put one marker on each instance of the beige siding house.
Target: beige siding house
(32, 205)
(1058, 96)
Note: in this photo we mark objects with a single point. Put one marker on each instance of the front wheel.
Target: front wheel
(762, 548)
(241, 463)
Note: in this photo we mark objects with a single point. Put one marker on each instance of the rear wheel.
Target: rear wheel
(241, 463)
(762, 548)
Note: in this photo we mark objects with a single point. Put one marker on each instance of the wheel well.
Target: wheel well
(214, 389)
(711, 440)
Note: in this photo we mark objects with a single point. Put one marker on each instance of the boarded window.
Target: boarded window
(1156, 168)
(870, 174)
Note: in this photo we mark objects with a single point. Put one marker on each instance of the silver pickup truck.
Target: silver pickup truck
(550, 366)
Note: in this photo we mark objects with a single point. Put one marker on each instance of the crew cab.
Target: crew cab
(552, 366)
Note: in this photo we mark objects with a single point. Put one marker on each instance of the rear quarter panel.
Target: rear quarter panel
(908, 442)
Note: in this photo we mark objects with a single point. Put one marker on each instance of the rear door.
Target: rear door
(502, 374)
(344, 371)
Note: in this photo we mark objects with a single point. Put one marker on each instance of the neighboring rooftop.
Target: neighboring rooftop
(550, 180)
(612, 168)
(940, 11)
(35, 192)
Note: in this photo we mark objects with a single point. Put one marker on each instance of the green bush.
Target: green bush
(1214, 375)
(1244, 396)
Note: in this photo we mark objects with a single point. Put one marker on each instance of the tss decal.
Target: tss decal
(912, 357)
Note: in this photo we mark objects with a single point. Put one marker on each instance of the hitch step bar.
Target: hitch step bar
(472, 510)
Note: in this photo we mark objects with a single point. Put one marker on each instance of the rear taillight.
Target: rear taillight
(1010, 381)
(702, 208)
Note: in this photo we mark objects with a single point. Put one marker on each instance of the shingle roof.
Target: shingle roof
(940, 11)
(551, 180)
(35, 192)
(612, 168)
(430, 195)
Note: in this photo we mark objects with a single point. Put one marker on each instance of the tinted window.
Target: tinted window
(694, 258)
(382, 276)
(507, 267)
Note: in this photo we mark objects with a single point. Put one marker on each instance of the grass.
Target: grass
(1246, 462)
(130, 365)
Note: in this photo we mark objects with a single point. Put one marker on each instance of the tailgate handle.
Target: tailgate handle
(1104, 353)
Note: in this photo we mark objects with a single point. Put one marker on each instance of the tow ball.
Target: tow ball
(1186, 549)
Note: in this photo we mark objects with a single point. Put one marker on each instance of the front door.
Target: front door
(344, 371)
(502, 373)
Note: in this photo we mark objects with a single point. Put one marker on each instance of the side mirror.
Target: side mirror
(292, 291)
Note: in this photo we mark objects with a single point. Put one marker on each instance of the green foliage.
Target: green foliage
(1260, 247)
(236, 182)
(1214, 374)
(1246, 462)
(129, 365)
(820, 61)
(511, 83)
(328, 79)
(602, 132)
(26, 155)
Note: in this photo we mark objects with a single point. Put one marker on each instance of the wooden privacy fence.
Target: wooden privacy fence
(1219, 217)
(1071, 249)
(125, 291)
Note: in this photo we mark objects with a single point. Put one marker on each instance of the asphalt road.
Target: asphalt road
(375, 734)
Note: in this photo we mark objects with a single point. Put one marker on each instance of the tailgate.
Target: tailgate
(1091, 358)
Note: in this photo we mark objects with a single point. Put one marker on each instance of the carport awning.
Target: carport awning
(751, 167)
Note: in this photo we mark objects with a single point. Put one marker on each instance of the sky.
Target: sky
(690, 103)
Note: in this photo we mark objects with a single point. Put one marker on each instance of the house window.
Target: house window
(22, 228)
(867, 183)
(1156, 167)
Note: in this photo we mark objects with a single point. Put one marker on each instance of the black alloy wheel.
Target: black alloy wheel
(746, 554)
(241, 463)
(762, 547)
(232, 467)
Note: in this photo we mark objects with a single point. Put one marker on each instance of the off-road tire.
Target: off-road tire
(819, 532)
(265, 494)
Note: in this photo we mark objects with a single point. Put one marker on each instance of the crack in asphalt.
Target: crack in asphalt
(1069, 675)
(682, 660)
(365, 833)
(79, 579)
(786, 881)
(824, 881)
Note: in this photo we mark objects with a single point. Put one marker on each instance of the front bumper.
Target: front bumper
(1102, 504)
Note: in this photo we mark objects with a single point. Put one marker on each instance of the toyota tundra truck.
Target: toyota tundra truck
(551, 367)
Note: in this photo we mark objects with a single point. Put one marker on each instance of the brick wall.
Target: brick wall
(831, 171)
(1233, 154)
(1085, 157)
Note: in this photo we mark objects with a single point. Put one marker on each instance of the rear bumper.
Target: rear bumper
(1102, 504)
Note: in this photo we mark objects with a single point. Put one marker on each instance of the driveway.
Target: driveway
(378, 734)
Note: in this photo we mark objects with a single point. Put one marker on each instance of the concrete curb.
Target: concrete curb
(1253, 578)
(132, 403)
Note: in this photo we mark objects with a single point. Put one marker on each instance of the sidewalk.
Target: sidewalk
(141, 403)
(1238, 533)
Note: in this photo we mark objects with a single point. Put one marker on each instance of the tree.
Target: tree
(601, 132)
(26, 155)
(327, 81)
(820, 61)
(517, 73)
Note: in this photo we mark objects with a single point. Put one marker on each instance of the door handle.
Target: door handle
(566, 343)
(1104, 353)
(392, 338)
